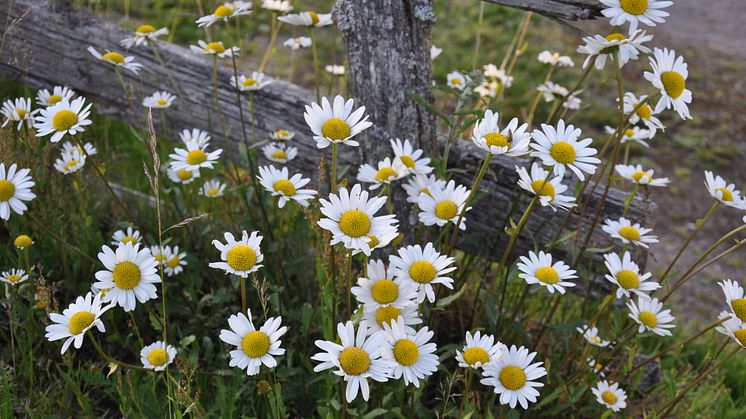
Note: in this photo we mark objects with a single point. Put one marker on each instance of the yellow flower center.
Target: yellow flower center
(547, 275)
(639, 176)
(314, 17)
(673, 83)
(387, 315)
(335, 129)
(727, 194)
(279, 154)
(739, 308)
(741, 336)
(355, 223)
(282, 133)
(407, 161)
(223, 11)
(23, 241)
(455, 81)
(406, 352)
(241, 257)
(161, 102)
(495, 139)
(184, 174)
(445, 210)
(145, 29)
(54, 99)
(158, 357)
(7, 190)
(196, 157)
(476, 354)
(634, 7)
(285, 186)
(354, 361)
(249, 82)
(644, 112)
(385, 173)
(215, 47)
(81, 320)
(255, 344)
(113, 57)
(384, 291)
(373, 243)
(129, 239)
(159, 257)
(71, 164)
(563, 152)
(616, 36)
(609, 397)
(648, 318)
(630, 233)
(173, 262)
(213, 192)
(126, 275)
(21, 113)
(628, 279)
(64, 120)
(548, 189)
(14, 278)
(512, 377)
(422, 272)
(629, 132)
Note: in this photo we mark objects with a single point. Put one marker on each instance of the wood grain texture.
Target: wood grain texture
(557, 9)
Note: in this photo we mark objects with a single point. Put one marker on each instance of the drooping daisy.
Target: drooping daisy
(336, 123)
(386, 173)
(117, 60)
(335, 70)
(572, 103)
(603, 48)
(610, 395)
(279, 153)
(309, 18)
(640, 176)
(130, 275)
(381, 288)
(496, 75)
(130, 235)
(420, 184)
(159, 100)
(144, 33)
(669, 76)
(724, 192)
(559, 147)
(596, 367)
(79, 317)
(356, 359)
(14, 276)
(212, 189)
(555, 59)
(513, 140)
(70, 162)
(444, 205)
(633, 134)
(639, 110)
(239, 257)
(214, 48)
(280, 6)
(513, 377)
(410, 157)
(552, 91)
(487, 89)
(479, 351)
(86, 150)
(256, 81)
(539, 269)
(15, 188)
(253, 347)
(378, 317)
(435, 52)
(590, 334)
(647, 12)
(197, 136)
(46, 98)
(734, 297)
(185, 176)
(423, 268)
(18, 111)
(649, 314)
(624, 230)
(625, 274)
(224, 12)
(23, 242)
(279, 183)
(350, 217)
(456, 80)
(549, 191)
(157, 356)
(194, 156)
(412, 355)
(733, 327)
(174, 262)
(62, 118)
(281, 135)
(297, 43)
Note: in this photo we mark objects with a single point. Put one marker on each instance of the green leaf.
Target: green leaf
(375, 413)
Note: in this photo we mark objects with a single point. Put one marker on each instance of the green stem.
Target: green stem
(474, 186)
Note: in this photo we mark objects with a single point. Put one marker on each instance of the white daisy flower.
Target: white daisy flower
(46, 98)
(555, 59)
(550, 192)
(159, 100)
(590, 334)
(144, 33)
(638, 110)
(62, 118)
(435, 52)
(256, 81)
(117, 60)
(174, 261)
(497, 75)
(350, 217)
(14, 276)
(87, 149)
(278, 153)
(632, 134)
(735, 298)
(279, 183)
(552, 91)
(239, 257)
(194, 156)
(487, 89)
(572, 103)
(610, 395)
(669, 76)
(596, 367)
(733, 327)
(420, 184)
(724, 192)
(160, 253)
(214, 48)
(443, 205)
(559, 147)
(130, 274)
(636, 174)
(479, 351)
(378, 317)
(379, 290)
(356, 359)
(309, 18)
(70, 162)
(335, 70)
(15, 188)
(513, 140)
(130, 235)
(76, 320)
(625, 274)
(624, 230)
(254, 347)
(335, 123)
(381, 241)
(410, 157)
(605, 47)
(423, 268)
(212, 189)
(412, 355)
(647, 12)
(539, 269)
(224, 12)
(456, 80)
(18, 111)
(649, 314)
(281, 135)
(185, 176)
(197, 136)
(513, 377)
(157, 356)
(386, 173)
(298, 42)
(281, 6)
